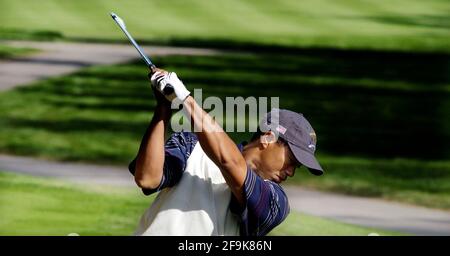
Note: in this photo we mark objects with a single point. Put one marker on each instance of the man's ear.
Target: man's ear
(267, 138)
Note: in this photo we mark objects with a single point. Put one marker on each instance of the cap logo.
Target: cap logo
(312, 146)
(281, 129)
(313, 137)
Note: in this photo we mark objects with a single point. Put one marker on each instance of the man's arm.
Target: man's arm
(150, 158)
(219, 147)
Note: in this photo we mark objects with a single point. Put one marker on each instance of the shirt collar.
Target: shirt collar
(242, 145)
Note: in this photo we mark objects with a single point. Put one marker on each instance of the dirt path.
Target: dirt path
(60, 58)
(349, 209)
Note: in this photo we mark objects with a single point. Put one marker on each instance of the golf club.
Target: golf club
(168, 89)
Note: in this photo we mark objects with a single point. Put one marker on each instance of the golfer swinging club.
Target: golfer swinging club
(207, 184)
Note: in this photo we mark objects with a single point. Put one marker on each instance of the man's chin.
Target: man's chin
(277, 180)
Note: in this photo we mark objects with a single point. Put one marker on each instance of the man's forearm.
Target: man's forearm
(150, 159)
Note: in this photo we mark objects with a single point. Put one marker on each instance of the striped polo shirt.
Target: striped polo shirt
(266, 203)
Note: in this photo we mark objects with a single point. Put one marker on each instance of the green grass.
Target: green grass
(381, 117)
(38, 206)
(305, 225)
(400, 25)
(9, 51)
(29, 34)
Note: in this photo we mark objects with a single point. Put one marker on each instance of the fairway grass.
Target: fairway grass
(297, 224)
(39, 206)
(10, 52)
(408, 25)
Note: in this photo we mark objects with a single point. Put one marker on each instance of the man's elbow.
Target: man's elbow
(146, 183)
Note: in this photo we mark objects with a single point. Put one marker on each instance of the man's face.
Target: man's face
(277, 161)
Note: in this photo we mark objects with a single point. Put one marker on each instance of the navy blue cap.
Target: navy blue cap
(297, 132)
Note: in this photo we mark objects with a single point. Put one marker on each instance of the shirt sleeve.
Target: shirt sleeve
(177, 149)
(266, 205)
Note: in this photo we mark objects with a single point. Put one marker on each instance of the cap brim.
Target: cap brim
(307, 159)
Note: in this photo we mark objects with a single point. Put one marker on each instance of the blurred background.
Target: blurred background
(372, 77)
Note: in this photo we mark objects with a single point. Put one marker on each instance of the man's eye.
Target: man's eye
(293, 161)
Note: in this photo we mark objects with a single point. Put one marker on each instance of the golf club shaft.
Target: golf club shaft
(168, 88)
(138, 48)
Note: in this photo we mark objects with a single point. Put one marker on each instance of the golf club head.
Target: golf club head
(119, 21)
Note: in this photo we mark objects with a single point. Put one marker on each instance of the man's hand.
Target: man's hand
(161, 79)
(161, 101)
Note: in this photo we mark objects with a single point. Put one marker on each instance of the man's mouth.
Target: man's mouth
(281, 178)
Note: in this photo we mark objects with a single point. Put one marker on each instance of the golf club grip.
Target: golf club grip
(168, 89)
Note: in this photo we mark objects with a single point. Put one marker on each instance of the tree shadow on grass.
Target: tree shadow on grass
(361, 119)
(424, 20)
(133, 107)
(78, 125)
(54, 62)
